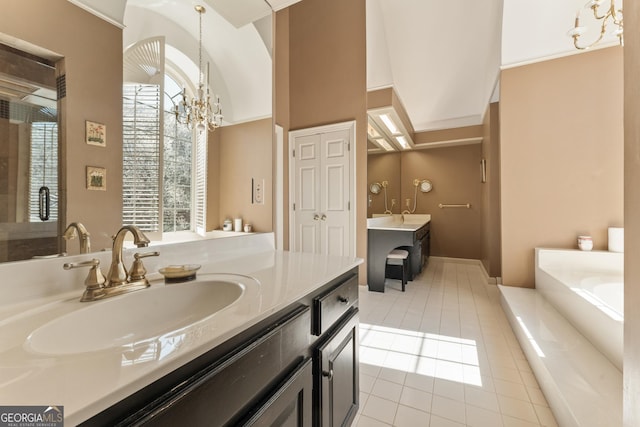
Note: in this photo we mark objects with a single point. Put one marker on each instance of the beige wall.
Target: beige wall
(384, 167)
(92, 51)
(325, 60)
(245, 153)
(631, 397)
(455, 175)
(490, 192)
(561, 156)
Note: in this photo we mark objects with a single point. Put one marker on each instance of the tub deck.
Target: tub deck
(582, 386)
(571, 330)
(587, 288)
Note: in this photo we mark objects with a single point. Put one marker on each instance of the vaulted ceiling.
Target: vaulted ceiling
(443, 58)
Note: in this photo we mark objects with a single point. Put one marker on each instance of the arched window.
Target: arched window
(164, 162)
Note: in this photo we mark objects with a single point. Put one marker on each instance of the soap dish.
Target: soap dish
(179, 273)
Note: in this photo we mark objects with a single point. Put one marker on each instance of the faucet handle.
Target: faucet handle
(94, 281)
(138, 271)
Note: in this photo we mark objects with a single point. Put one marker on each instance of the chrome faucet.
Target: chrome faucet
(118, 274)
(77, 228)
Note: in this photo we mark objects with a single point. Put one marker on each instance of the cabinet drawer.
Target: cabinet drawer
(330, 307)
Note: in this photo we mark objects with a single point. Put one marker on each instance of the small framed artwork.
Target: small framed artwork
(95, 134)
(96, 178)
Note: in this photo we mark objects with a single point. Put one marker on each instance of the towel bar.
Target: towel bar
(465, 205)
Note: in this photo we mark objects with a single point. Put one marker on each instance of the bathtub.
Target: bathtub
(587, 288)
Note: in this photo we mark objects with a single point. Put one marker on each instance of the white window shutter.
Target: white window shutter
(143, 134)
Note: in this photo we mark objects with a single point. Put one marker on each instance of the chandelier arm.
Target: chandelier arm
(611, 13)
(575, 40)
(595, 8)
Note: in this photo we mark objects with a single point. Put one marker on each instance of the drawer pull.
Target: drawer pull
(343, 300)
(329, 374)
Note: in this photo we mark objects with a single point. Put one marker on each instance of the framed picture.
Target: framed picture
(96, 178)
(95, 134)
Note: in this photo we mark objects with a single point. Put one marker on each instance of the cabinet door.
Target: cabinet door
(336, 375)
(290, 404)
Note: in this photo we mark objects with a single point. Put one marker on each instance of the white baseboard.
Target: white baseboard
(490, 280)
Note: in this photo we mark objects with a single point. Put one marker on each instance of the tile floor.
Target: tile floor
(443, 354)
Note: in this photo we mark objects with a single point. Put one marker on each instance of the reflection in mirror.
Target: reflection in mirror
(28, 156)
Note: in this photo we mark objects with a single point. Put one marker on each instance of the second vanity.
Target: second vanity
(387, 232)
(281, 345)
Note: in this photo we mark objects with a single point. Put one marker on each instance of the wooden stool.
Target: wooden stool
(398, 259)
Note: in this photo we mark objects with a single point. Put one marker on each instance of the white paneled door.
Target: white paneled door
(321, 188)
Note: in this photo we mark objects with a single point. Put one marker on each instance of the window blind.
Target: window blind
(200, 190)
(141, 181)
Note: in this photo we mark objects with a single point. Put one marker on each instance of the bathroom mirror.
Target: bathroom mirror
(29, 156)
(24, 233)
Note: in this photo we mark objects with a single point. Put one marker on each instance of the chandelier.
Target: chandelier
(610, 14)
(199, 113)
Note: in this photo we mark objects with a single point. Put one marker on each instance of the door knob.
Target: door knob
(316, 217)
(323, 217)
(329, 374)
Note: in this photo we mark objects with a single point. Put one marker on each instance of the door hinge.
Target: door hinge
(294, 153)
(348, 146)
(294, 206)
(349, 205)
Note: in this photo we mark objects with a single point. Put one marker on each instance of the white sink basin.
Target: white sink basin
(134, 317)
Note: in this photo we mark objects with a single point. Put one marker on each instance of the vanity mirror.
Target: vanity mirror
(28, 156)
(425, 186)
(94, 95)
(375, 188)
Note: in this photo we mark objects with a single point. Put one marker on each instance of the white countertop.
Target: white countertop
(404, 222)
(87, 383)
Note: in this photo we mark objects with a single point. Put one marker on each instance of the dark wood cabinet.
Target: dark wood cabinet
(291, 403)
(336, 374)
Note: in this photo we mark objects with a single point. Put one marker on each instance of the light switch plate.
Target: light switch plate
(258, 191)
